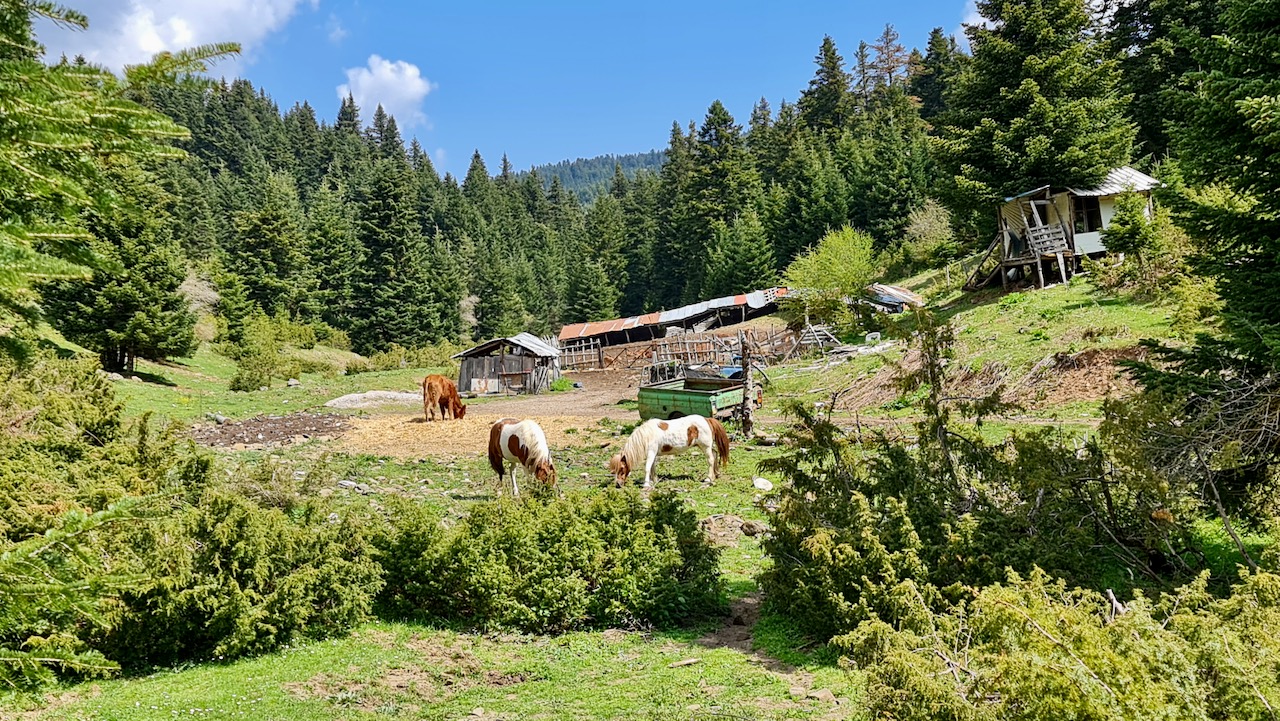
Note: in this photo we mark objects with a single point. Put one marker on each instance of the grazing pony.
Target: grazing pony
(439, 394)
(656, 437)
(522, 443)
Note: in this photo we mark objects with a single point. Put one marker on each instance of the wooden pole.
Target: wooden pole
(748, 388)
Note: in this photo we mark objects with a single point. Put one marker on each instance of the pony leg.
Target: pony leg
(713, 462)
(515, 490)
(648, 469)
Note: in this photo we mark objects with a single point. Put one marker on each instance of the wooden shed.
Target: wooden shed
(523, 363)
(1051, 227)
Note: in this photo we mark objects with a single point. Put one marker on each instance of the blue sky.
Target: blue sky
(541, 82)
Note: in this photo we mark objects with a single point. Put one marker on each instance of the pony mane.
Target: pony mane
(636, 448)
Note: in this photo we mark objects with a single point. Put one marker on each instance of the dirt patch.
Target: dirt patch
(1086, 376)
(403, 436)
(723, 529)
(1057, 380)
(269, 431)
(375, 399)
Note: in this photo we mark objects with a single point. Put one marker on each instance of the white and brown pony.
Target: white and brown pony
(655, 438)
(440, 396)
(521, 443)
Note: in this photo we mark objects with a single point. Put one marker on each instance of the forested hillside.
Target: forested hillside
(344, 224)
(589, 178)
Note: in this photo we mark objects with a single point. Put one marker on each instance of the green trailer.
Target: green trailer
(709, 397)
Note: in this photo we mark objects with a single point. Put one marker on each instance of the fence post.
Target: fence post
(748, 388)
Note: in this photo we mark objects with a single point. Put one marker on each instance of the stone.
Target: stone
(823, 694)
(293, 382)
(262, 388)
(477, 711)
(135, 378)
(798, 692)
(346, 484)
(753, 528)
(685, 662)
(763, 484)
(114, 377)
(363, 488)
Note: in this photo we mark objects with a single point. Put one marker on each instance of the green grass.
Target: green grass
(406, 671)
(187, 389)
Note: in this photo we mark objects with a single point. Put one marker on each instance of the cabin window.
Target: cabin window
(1088, 215)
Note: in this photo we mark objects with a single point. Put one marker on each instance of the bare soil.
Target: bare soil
(270, 431)
(405, 436)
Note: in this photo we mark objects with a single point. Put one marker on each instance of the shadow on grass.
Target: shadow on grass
(154, 379)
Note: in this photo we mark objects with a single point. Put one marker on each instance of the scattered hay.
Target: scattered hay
(411, 437)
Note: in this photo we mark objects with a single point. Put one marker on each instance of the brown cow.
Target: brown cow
(440, 395)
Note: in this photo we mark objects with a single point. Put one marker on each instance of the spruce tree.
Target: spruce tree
(942, 60)
(591, 295)
(268, 247)
(1038, 104)
(743, 260)
(62, 125)
(393, 294)
(825, 105)
(336, 255)
(724, 183)
(131, 306)
(1226, 137)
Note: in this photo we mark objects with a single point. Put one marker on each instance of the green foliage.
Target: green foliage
(130, 307)
(741, 259)
(1226, 134)
(1037, 105)
(434, 356)
(51, 585)
(1131, 230)
(826, 276)
(573, 562)
(257, 355)
(1030, 648)
(228, 577)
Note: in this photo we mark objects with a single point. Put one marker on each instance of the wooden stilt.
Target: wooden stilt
(1062, 268)
(1040, 270)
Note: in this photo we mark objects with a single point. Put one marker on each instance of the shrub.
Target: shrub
(229, 578)
(571, 563)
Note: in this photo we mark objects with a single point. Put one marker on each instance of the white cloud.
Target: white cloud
(971, 17)
(123, 32)
(336, 31)
(397, 85)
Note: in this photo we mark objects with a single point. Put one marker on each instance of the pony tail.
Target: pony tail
(495, 448)
(721, 438)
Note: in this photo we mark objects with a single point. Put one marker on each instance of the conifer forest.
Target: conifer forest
(1048, 488)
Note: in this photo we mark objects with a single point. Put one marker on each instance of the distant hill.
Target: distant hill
(589, 177)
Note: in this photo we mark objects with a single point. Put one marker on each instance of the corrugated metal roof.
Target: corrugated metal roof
(1120, 180)
(528, 341)
(754, 299)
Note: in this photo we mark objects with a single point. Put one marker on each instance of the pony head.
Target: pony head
(621, 469)
(545, 472)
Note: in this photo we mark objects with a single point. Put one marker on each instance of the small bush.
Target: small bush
(561, 384)
(571, 563)
(228, 577)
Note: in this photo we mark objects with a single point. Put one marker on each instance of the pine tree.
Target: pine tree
(724, 183)
(825, 106)
(393, 295)
(895, 167)
(130, 307)
(1226, 136)
(62, 125)
(1154, 39)
(889, 64)
(335, 253)
(1037, 105)
(268, 249)
(676, 224)
(942, 60)
(591, 295)
(742, 259)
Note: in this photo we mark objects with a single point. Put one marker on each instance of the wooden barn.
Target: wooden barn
(1050, 229)
(522, 363)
